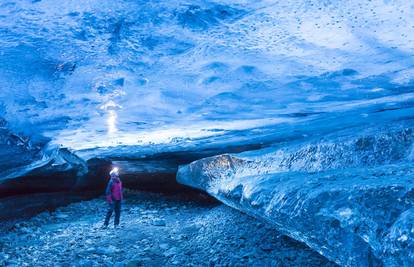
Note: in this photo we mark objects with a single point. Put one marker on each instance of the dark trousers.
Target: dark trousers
(115, 206)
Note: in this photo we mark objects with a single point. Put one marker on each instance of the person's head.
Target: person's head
(114, 173)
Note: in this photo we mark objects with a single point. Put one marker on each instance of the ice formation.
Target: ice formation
(350, 198)
(322, 90)
(106, 74)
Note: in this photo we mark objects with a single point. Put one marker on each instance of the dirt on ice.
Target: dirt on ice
(155, 230)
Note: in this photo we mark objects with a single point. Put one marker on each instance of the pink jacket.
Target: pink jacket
(114, 189)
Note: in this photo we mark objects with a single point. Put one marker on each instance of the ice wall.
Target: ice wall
(101, 74)
(348, 197)
(89, 80)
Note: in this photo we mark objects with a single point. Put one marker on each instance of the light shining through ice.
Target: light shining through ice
(317, 96)
(112, 122)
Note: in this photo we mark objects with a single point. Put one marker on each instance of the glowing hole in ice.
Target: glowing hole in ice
(111, 122)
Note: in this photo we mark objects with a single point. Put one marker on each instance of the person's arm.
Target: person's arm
(122, 194)
(108, 192)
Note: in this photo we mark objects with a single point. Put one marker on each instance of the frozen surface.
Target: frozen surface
(101, 73)
(323, 88)
(350, 198)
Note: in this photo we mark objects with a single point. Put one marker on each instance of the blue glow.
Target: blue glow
(318, 88)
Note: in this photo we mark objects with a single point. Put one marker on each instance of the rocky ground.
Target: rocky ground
(156, 230)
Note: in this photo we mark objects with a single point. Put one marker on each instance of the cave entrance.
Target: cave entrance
(31, 195)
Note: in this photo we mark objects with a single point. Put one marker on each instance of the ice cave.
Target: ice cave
(234, 133)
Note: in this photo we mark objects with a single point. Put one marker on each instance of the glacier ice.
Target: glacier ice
(348, 197)
(322, 90)
(106, 74)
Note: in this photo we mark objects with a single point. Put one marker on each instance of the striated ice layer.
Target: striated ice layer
(348, 197)
(100, 74)
(126, 80)
(86, 82)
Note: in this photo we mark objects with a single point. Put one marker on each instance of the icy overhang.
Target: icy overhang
(130, 73)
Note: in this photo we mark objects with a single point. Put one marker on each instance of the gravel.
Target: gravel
(155, 230)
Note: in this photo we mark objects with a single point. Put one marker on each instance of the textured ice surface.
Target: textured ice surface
(350, 198)
(126, 80)
(104, 73)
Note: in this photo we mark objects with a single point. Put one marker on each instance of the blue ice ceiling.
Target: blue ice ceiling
(321, 91)
(90, 74)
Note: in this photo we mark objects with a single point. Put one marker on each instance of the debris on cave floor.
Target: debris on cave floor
(155, 230)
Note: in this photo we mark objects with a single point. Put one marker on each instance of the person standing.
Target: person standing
(114, 197)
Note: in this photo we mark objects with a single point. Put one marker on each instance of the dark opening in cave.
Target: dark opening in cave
(40, 190)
